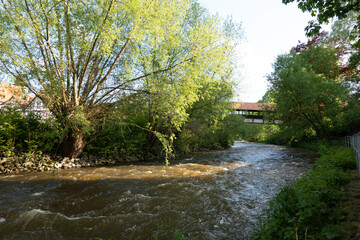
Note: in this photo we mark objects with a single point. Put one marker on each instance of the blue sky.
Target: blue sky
(271, 28)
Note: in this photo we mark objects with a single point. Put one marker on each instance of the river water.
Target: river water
(213, 195)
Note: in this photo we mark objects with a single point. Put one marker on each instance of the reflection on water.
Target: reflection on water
(216, 195)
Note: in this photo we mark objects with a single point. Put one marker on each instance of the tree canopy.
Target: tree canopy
(325, 10)
(308, 90)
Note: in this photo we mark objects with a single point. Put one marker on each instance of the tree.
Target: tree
(84, 57)
(268, 97)
(328, 9)
(172, 94)
(341, 36)
(308, 93)
(345, 31)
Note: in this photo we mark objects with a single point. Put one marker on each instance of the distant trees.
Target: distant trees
(84, 58)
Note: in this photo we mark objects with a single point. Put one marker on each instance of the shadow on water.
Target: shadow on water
(214, 195)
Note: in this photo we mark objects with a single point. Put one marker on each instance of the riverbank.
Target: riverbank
(317, 205)
(353, 206)
(37, 162)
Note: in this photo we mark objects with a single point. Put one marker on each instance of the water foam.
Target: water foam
(34, 213)
(38, 194)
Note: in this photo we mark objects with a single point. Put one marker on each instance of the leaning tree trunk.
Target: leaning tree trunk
(73, 145)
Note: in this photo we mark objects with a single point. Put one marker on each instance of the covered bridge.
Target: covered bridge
(253, 112)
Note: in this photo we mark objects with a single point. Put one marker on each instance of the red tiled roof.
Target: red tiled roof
(251, 106)
(8, 91)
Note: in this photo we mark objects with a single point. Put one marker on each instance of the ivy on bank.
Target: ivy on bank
(312, 207)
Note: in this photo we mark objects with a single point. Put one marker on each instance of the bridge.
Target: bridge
(254, 112)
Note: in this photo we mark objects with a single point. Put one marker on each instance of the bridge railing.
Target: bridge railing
(354, 143)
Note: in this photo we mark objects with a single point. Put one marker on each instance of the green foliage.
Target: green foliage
(342, 30)
(285, 136)
(307, 91)
(123, 78)
(198, 90)
(180, 236)
(252, 132)
(311, 207)
(27, 141)
(345, 39)
(350, 120)
(118, 140)
(163, 53)
(324, 11)
(257, 132)
(316, 87)
(200, 135)
(28, 133)
(268, 97)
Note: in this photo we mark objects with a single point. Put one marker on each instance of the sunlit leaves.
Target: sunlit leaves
(200, 57)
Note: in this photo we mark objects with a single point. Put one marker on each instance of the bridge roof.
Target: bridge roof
(251, 106)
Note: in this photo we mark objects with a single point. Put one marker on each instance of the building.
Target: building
(16, 97)
(11, 96)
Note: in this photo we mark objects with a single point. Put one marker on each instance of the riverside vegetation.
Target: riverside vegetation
(150, 71)
(316, 205)
(28, 143)
(117, 87)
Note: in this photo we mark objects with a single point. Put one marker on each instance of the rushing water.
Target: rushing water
(215, 195)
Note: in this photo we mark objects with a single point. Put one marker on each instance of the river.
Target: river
(213, 195)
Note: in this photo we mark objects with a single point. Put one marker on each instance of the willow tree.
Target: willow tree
(81, 57)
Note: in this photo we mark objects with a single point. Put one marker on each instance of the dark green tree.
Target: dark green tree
(308, 93)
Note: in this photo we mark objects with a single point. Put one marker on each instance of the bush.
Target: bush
(117, 140)
(198, 135)
(21, 133)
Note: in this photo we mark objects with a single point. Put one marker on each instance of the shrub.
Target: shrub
(22, 133)
(198, 135)
(116, 139)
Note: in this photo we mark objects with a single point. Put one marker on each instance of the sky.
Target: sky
(270, 28)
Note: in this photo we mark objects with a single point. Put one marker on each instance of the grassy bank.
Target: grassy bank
(313, 207)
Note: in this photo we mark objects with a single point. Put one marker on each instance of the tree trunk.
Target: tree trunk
(73, 145)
